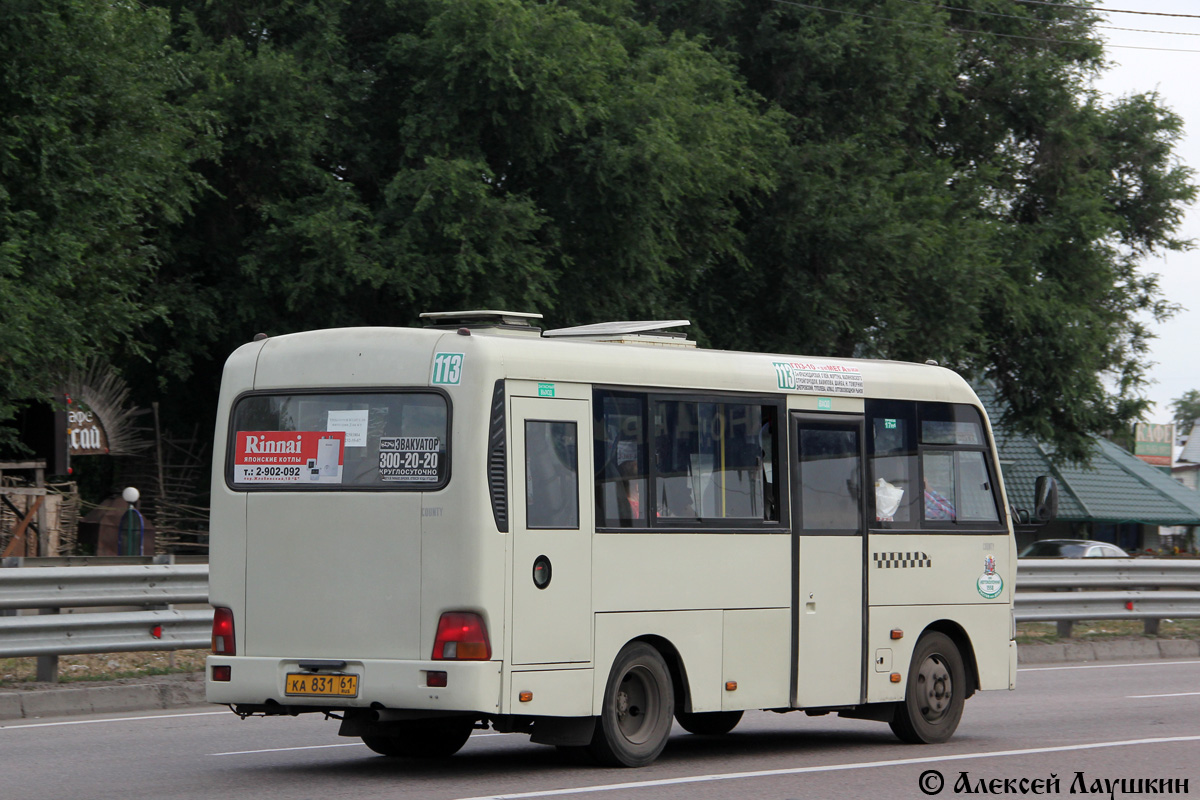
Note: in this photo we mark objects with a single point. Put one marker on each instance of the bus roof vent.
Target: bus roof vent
(653, 332)
(508, 321)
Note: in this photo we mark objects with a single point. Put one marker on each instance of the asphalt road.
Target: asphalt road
(1081, 725)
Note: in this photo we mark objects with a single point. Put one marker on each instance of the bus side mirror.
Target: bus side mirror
(1019, 515)
(1046, 494)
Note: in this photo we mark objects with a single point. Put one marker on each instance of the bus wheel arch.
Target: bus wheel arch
(963, 642)
(638, 708)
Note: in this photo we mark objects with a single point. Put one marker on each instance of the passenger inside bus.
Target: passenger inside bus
(937, 507)
(632, 483)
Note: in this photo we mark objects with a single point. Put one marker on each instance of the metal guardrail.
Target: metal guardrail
(135, 602)
(84, 587)
(1048, 590)
(115, 632)
(1066, 590)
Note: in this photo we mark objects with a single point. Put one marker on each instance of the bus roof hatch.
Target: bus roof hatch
(629, 332)
(507, 320)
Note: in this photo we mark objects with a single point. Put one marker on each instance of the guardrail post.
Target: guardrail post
(1065, 627)
(1151, 626)
(166, 558)
(47, 666)
(11, 561)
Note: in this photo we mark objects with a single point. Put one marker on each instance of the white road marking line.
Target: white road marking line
(319, 746)
(901, 762)
(113, 719)
(1146, 696)
(288, 749)
(1105, 666)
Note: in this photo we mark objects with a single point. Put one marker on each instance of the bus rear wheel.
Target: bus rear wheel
(429, 738)
(933, 699)
(708, 723)
(639, 705)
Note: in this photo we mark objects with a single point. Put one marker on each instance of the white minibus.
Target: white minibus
(589, 534)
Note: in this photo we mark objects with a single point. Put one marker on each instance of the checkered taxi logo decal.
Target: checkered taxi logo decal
(902, 560)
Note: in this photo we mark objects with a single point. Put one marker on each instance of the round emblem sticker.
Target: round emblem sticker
(990, 584)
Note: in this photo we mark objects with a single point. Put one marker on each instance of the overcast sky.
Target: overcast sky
(1175, 76)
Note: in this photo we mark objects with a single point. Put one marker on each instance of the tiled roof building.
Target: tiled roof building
(1117, 497)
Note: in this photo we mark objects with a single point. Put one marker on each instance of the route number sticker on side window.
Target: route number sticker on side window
(447, 369)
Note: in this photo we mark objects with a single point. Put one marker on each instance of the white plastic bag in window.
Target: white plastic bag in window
(887, 500)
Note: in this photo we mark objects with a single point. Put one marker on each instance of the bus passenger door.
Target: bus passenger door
(828, 516)
(552, 531)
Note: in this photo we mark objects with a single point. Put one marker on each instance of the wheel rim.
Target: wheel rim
(637, 705)
(935, 689)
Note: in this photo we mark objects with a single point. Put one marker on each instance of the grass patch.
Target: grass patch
(1100, 630)
(104, 666)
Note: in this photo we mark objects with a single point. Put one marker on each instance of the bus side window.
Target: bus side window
(956, 483)
(978, 499)
(714, 461)
(829, 480)
(621, 481)
(551, 475)
(893, 453)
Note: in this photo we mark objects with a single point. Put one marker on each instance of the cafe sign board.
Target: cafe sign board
(1153, 443)
(85, 431)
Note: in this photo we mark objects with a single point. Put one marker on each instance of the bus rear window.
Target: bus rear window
(380, 440)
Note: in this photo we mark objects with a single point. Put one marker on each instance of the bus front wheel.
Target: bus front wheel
(438, 738)
(933, 699)
(639, 705)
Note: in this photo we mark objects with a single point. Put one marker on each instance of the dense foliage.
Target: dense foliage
(876, 178)
(95, 148)
(1185, 411)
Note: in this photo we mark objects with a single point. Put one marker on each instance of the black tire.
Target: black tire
(933, 699)
(708, 723)
(639, 704)
(427, 738)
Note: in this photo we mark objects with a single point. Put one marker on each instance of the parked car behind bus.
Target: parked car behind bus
(1072, 548)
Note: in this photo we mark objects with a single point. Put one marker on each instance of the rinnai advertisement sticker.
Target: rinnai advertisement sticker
(289, 457)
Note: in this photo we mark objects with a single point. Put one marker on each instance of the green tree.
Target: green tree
(955, 189)
(1186, 411)
(93, 153)
(383, 158)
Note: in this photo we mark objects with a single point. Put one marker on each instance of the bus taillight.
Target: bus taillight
(461, 636)
(222, 632)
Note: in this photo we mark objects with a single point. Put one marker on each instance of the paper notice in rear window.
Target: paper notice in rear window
(313, 457)
(411, 459)
(353, 423)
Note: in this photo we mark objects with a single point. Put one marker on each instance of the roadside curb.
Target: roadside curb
(38, 700)
(184, 690)
(1114, 650)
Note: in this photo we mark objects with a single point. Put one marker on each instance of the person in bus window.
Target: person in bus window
(632, 481)
(937, 507)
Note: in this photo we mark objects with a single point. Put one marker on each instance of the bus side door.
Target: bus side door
(552, 532)
(828, 528)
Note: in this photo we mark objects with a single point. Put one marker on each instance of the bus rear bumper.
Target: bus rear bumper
(253, 682)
